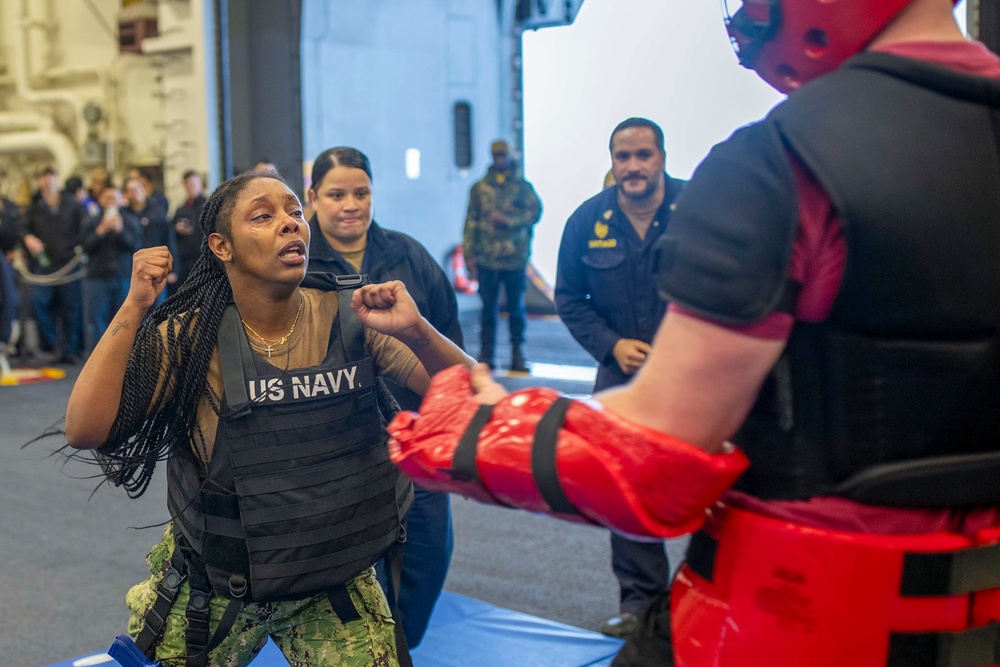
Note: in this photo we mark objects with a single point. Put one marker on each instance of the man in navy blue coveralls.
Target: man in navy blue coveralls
(606, 295)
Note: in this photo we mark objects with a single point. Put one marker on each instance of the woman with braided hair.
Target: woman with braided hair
(262, 397)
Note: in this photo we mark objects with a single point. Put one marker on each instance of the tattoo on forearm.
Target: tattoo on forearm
(419, 343)
(119, 326)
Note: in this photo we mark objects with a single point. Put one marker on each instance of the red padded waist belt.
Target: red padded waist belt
(760, 592)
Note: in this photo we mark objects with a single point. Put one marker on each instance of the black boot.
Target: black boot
(517, 364)
(650, 642)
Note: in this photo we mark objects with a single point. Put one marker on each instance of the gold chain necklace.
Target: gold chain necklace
(270, 345)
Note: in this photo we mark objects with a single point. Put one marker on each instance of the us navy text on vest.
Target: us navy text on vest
(308, 384)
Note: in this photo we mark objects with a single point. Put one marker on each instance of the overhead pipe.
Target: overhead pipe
(20, 42)
(19, 121)
(98, 72)
(64, 155)
(102, 74)
(75, 73)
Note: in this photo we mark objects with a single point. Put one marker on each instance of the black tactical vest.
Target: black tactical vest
(300, 495)
(907, 366)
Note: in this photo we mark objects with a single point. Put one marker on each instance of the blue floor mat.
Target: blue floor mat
(463, 628)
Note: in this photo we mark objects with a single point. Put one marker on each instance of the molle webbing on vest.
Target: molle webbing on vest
(301, 495)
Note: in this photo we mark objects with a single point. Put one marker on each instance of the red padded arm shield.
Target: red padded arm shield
(620, 475)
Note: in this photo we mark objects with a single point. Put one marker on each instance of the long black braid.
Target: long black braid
(156, 417)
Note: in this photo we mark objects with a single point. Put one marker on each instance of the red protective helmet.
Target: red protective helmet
(790, 42)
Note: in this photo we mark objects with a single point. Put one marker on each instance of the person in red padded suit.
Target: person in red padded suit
(835, 314)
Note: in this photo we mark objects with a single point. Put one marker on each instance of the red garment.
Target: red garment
(817, 264)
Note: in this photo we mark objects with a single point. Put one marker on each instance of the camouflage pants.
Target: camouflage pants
(307, 631)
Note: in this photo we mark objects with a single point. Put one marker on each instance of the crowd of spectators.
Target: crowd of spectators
(66, 254)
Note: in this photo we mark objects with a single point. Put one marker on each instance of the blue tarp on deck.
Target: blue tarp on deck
(463, 629)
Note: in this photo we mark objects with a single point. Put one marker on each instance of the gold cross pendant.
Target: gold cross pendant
(269, 349)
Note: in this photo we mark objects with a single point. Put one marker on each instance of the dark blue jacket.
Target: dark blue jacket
(154, 228)
(605, 281)
(9, 299)
(392, 255)
(110, 256)
(58, 229)
(188, 247)
(10, 225)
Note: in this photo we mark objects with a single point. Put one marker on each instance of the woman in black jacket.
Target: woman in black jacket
(344, 240)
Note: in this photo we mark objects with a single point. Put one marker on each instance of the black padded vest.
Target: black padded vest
(907, 366)
(300, 495)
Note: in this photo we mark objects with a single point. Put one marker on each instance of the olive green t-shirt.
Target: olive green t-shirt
(355, 258)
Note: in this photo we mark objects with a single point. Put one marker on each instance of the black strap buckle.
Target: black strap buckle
(172, 580)
(199, 617)
(166, 593)
(350, 281)
(198, 602)
(153, 622)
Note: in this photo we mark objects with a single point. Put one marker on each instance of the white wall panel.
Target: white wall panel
(382, 76)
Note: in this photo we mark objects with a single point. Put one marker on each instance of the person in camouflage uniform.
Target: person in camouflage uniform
(307, 631)
(503, 209)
